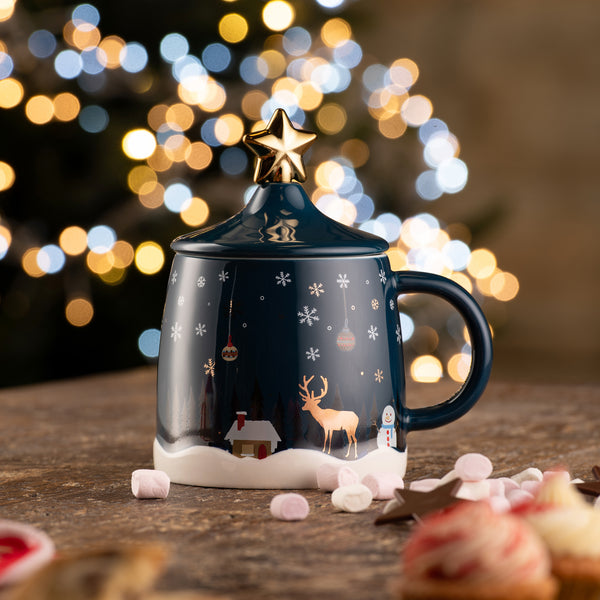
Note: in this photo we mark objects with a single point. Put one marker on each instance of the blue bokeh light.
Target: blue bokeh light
(173, 47)
(297, 41)
(68, 64)
(149, 343)
(41, 43)
(101, 239)
(85, 14)
(178, 197)
(6, 65)
(216, 57)
(93, 119)
(233, 161)
(133, 57)
(50, 258)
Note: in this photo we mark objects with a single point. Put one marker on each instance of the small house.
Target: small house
(256, 439)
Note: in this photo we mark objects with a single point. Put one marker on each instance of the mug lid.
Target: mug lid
(280, 220)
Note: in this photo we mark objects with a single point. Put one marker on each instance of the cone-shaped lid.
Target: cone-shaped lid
(280, 220)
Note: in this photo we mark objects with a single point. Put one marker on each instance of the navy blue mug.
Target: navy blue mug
(281, 350)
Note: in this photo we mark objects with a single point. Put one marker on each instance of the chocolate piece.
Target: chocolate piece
(414, 504)
(596, 472)
(590, 488)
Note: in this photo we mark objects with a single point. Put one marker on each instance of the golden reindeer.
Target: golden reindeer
(329, 419)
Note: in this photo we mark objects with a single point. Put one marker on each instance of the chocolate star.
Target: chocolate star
(279, 149)
(591, 488)
(413, 503)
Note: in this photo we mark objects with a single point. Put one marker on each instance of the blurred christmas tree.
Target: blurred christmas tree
(121, 129)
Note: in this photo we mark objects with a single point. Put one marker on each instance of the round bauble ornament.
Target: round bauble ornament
(346, 340)
(230, 352)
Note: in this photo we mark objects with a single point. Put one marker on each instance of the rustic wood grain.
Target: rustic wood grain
(68, 450)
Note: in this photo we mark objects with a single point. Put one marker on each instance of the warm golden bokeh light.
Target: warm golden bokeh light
(100, 263)
(196, 213)
(458, 367)
(252, 103)
(482, 263)
(329, 175)
(139, 177)
(404, 72)
(426, 369)
(159, 161)
(139, 144)
(7, 176)
(112, 47)
(11, 92)
(122, 254)
(275, 61)
(179, 114)
(331, 118)
(7, 8)
(152, 195)
(233, 28)
(199, 157)
(39, 109)
(335, 31)
(504, 286)
(417, 110)
(309, 95)
(397, 257)
(229, 129)
(30, 264)
(157, 116)
(177, 147)
(79, 312)
(73, 240)
(278, 15)
(149, 258)
(356, 151)
(392, 128)
(66, 106)
(85, 36)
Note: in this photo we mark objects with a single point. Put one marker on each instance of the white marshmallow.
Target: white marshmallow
(558, 473)
(352, 498)
(509, 484)
(150, 483)
(331, 477)
(530, 474)
(424, 485)
(473, 467)
(497, 487)
(289, 507)
(449, 476)
(474, 490)
(533, 487)
(382, 485)
(516, 497)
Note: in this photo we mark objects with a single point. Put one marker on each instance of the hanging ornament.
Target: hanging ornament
(230, 352)
(346, 340)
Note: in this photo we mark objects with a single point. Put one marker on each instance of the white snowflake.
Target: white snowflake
(398, 334)
(283, 278)
(312, 354)
(180, 300)
(379, 376)
(372, 331)
(201, 281)
(200, 329)
(209, 367)
(223, 275)
(382, 276)
(308, 315)
(174, 277)
(391, 305)
(176, 331)
(316, 289)
(343, 280)
(374, 304)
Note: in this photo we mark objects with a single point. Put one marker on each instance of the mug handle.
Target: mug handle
(481, 343)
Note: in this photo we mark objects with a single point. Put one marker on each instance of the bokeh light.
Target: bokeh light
(426, 369)
(278, 15)
(11, 92)
(41, 43)
(73, 240)
(149, 342)
(39, 109)
(233, 28)
(149, 258)
(79, 312)
(93, 119)
(139, 144)
(7, 176)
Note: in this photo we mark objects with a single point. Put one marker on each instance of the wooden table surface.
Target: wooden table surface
(68, 448)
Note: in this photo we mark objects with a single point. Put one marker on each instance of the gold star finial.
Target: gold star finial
(279, 149)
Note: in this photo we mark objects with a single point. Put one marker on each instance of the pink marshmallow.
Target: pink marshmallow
(424, 485)
(150, 483)
(558, 473)
(473, 467)
(509, 484)
(289, 507)
(499, 504)
(331, 477)
(533, 487)
(517, 497)
(382, 485)
(497, 487)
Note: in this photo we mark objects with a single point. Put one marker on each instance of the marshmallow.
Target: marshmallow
(150, 483)
(530, 474)
(499, 504)
(497, 487)
(424, 485)
(331, 477)
(517, 497)
(352, 498)
(533, 487)
(558, 473)
(474, 490)
(509, 484)
(382, 485)
(289, 507)
(473, 467)
(449, 476)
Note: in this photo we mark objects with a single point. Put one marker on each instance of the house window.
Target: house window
(247, 450)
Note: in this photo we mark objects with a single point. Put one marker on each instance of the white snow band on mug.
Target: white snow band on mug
(289, 507)
(331, 477)
(352, 498)
(150, 483)
(382, 485)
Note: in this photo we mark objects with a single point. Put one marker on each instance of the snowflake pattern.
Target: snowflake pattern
(200, 329)
(312, 354)
(201, 281)
(308, 315)
(173, 277)
(374, 304)
(398, 334)
(382, 276)
(343, 280)
(180, 301)
(283, 278)
(175, 331)
(223, 276)
(316, 289)
(379, 376)
(372, 331)
(209, 367)
(391, 305)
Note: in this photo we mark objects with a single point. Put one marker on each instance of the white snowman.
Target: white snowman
(386, 438)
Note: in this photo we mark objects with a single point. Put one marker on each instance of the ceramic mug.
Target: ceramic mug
(281, 350)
